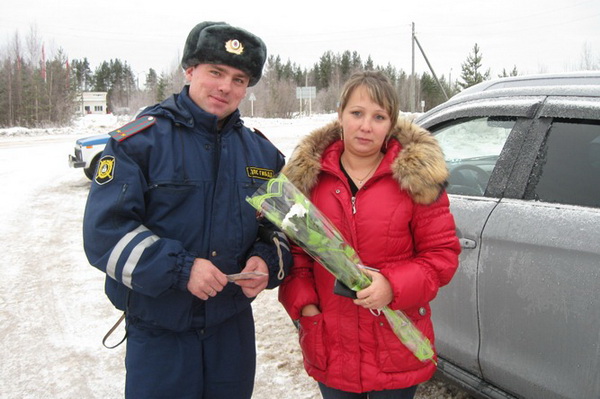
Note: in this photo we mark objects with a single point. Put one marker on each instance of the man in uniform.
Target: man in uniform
(167, 221)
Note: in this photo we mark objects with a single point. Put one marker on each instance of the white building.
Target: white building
(92, 102)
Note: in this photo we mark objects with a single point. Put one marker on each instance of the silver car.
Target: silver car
(522, 316)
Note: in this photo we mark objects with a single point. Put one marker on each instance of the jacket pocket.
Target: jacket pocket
(172, 311)
(311, 341)
(392, 355)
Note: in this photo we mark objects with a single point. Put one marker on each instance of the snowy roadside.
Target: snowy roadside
(53, 311)
(86, 126)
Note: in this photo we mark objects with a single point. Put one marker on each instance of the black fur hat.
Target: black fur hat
(221, 43)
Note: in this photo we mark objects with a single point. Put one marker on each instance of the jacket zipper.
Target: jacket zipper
(354, 205)
(218, 153)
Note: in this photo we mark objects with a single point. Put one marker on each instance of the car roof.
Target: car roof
(528, 82)
(570, 84)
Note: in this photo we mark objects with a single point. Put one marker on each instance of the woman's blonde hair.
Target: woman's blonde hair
(378, 87)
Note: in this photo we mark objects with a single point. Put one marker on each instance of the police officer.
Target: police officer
(167, 221)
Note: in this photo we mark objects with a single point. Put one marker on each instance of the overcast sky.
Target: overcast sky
(533, 35)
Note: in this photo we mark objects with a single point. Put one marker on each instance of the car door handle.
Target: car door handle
(467, 243)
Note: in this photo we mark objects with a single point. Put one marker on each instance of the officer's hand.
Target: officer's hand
(206, 280)
(252, 287)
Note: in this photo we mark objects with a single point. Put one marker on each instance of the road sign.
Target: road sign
(252, 98)
(306, 92)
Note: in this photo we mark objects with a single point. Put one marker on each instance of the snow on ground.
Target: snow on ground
(53, 311)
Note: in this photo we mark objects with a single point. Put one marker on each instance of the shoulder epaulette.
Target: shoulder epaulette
(261, 134)
(255, 130)
(132, 128)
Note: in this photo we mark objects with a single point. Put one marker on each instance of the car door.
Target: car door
(475, 138)
(539, 262)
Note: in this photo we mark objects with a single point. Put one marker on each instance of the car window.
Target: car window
(567, 170)
(471, 147)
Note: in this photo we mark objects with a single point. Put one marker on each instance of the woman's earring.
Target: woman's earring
(342, 134)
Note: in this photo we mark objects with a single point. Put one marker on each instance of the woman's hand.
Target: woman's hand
(310, 310)
(377, 295)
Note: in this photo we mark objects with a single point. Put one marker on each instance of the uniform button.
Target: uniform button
(214, 253)
(337, 191)
(422, 311)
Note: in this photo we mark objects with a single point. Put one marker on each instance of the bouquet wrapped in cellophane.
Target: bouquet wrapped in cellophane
(290, 210)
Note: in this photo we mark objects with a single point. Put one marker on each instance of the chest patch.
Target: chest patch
(259, 173)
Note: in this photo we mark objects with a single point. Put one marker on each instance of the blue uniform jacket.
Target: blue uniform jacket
(171, 193)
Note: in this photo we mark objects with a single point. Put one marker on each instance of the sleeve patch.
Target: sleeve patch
(132, 128)
(106, 170)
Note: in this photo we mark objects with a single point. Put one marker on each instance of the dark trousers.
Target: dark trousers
(216, 363)
(405, 393)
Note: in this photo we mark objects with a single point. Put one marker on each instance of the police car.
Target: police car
(88, 151)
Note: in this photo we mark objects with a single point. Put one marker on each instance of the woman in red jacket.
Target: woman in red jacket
(380, 180)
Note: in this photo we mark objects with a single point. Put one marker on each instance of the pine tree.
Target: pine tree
(325, 70)
(161, 87)
(356, 61)
(151, 80)
(59, 95)
(505, 74)
(471, 74)
(431, 93)
(346, 65)
(81, 75)
(102, 77)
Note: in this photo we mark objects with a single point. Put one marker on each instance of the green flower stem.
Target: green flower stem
(410, 336)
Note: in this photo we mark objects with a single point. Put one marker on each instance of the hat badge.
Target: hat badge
(234, 46)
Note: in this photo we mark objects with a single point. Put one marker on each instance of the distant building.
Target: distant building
(92, 102)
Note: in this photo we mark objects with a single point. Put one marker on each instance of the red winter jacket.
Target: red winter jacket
(402, 225)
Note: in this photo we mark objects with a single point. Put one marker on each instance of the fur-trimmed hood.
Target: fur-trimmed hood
(419, 168)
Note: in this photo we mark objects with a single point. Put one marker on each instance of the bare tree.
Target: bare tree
(588, 62)
(34, 45)
(16, 85)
